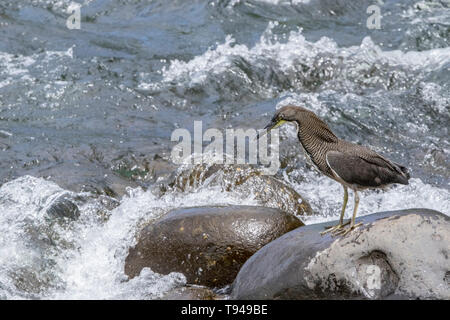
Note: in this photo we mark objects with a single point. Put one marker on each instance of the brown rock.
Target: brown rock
(268, 190)
(207, 244)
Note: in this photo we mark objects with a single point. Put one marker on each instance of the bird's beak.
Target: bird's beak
(271, 125)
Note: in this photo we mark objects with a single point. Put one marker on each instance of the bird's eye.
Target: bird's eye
(281, 116)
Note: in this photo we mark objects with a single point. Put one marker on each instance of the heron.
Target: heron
(354, 166)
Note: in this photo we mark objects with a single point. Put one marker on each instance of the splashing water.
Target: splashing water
(96, 109)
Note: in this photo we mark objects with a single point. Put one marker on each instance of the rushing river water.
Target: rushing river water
(87, 114)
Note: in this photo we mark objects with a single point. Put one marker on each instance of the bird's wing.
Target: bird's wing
(367, 171)
(381, 161)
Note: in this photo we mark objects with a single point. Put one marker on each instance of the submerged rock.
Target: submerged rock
(207, 244)
(398, 254)
(142, 167)
(64, 207)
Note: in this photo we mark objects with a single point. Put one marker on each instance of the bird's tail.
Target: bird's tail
(405, 172)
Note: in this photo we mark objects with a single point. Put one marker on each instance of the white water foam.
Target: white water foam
(87, 255)
(326, 196)
(295, 48)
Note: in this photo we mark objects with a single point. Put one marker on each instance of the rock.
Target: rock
(207, 244)
(398, 254)
(243, 179)
(64, 207)
(273, 193)
(192, 293)
(142, 167)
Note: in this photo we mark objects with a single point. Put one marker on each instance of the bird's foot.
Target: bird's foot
(334, 229)
(344, 232)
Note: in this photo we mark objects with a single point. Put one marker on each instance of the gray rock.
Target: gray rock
(394, 255)
(207, 244)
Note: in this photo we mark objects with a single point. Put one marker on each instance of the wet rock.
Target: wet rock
(63, 207)
(207, 244)
(243, 179)
(397, 254)
(143, 167)
(192, 293)
(273, 193)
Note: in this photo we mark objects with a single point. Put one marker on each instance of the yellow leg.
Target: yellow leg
(344, 205)
(352, 225)
(341, 219)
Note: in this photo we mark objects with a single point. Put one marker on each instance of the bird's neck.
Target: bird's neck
(313, 131)
(316, 139)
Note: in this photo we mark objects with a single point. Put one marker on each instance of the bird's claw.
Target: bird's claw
(343, 232)
(339, 229)
(334, 229)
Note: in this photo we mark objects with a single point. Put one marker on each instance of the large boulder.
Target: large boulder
(207, 244)
(394, 255)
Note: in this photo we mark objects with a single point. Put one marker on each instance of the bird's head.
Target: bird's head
(285, 114)
(302, 117)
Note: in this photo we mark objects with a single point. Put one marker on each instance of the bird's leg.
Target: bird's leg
(352, 225)
(341, 219)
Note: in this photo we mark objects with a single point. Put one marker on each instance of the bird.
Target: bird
(354, 166)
